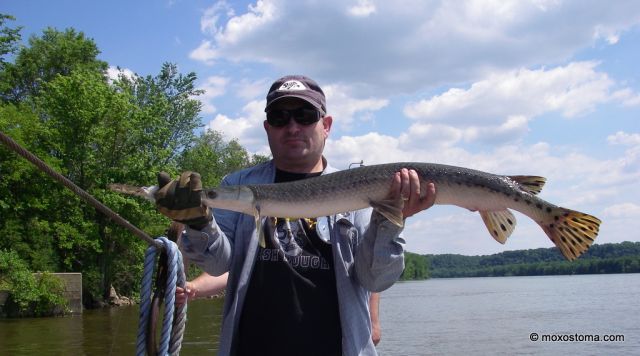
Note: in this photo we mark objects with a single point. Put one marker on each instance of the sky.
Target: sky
(541, 87)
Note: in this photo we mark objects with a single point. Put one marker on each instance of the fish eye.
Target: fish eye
(211, 194)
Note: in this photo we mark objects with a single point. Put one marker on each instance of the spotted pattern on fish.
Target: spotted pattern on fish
(493, 196)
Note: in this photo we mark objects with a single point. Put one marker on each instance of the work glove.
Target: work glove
(181, 199)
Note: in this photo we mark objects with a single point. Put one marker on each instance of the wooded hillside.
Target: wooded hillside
(606, 258)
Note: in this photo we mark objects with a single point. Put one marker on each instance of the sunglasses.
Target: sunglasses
(302, 116)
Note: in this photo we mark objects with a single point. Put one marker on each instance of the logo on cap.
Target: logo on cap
(297, 86)
(292, 85)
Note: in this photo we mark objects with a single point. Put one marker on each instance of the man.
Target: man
(306, 291)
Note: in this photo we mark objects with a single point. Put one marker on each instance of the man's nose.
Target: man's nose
(293, 126)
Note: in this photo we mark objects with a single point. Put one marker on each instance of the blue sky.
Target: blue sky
(541, 87)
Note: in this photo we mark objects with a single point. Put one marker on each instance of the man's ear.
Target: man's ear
(327, 121)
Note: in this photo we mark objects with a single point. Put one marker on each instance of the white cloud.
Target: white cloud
(573, 90)
(623, 138)
(577, 181)
(213, 87)
(623, 210)
(114, 73)
(206, 52)
(512, 129)
(363, 8)
(251, 89)
(620, 222)
(630, 162)
(435, 135)
(397, 47)
(591, 181)
(371, 148)
(627, 96)
(498, 109)
(444, 229)
(234, 29)
(210, 21)
(479, 73)
(346, 109)
(246, 25)
(247, 129)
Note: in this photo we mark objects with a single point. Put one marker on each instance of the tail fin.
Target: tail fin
(572, 231)
(145, 192)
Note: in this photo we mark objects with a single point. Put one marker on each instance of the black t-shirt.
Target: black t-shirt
(291, 306)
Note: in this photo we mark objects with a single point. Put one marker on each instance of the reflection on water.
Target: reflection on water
(105, 332)
(466, 316)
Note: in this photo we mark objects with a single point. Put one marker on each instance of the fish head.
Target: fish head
(238, 198)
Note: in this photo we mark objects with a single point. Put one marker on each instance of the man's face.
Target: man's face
(295, 145)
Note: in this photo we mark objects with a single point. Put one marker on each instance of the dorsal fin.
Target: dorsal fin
(530, 184)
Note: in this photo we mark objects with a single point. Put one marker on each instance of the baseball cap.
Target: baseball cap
(297, 86)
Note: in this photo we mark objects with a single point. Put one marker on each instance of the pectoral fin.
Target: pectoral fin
(390, 209)
(499, 223)
(258, 221)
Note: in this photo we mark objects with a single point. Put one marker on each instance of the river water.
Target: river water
(587, 315)
(498, 315)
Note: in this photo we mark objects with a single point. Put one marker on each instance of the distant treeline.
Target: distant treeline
(621, 257)
(415, 267)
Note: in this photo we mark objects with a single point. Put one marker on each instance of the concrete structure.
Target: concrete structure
(72, 290)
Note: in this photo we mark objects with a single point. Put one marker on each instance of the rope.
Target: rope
(14, 146)
(174, 319)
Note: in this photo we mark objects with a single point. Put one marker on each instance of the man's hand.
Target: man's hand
(406, 184)
(185, 294)
(181, 199)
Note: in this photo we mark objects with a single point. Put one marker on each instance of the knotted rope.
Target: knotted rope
(174, 319)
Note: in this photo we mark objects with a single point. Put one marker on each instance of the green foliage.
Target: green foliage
(63, 109)
(167, 112)
(29, 295)
(9, 38)
(56, 101)
(52, 54)
(606, 258)
(415, 267)
(213, 158)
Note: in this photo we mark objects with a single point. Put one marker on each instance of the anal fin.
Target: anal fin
(500, 224)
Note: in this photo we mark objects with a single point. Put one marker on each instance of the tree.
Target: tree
(56, 100)
(29, 295)
(9, 38)
(54, 53)
(606, 258)
(63, 108)
(213, 157)
(171, 114)
(415, 267)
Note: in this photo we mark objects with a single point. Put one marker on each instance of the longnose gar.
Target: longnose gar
(491, 195)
